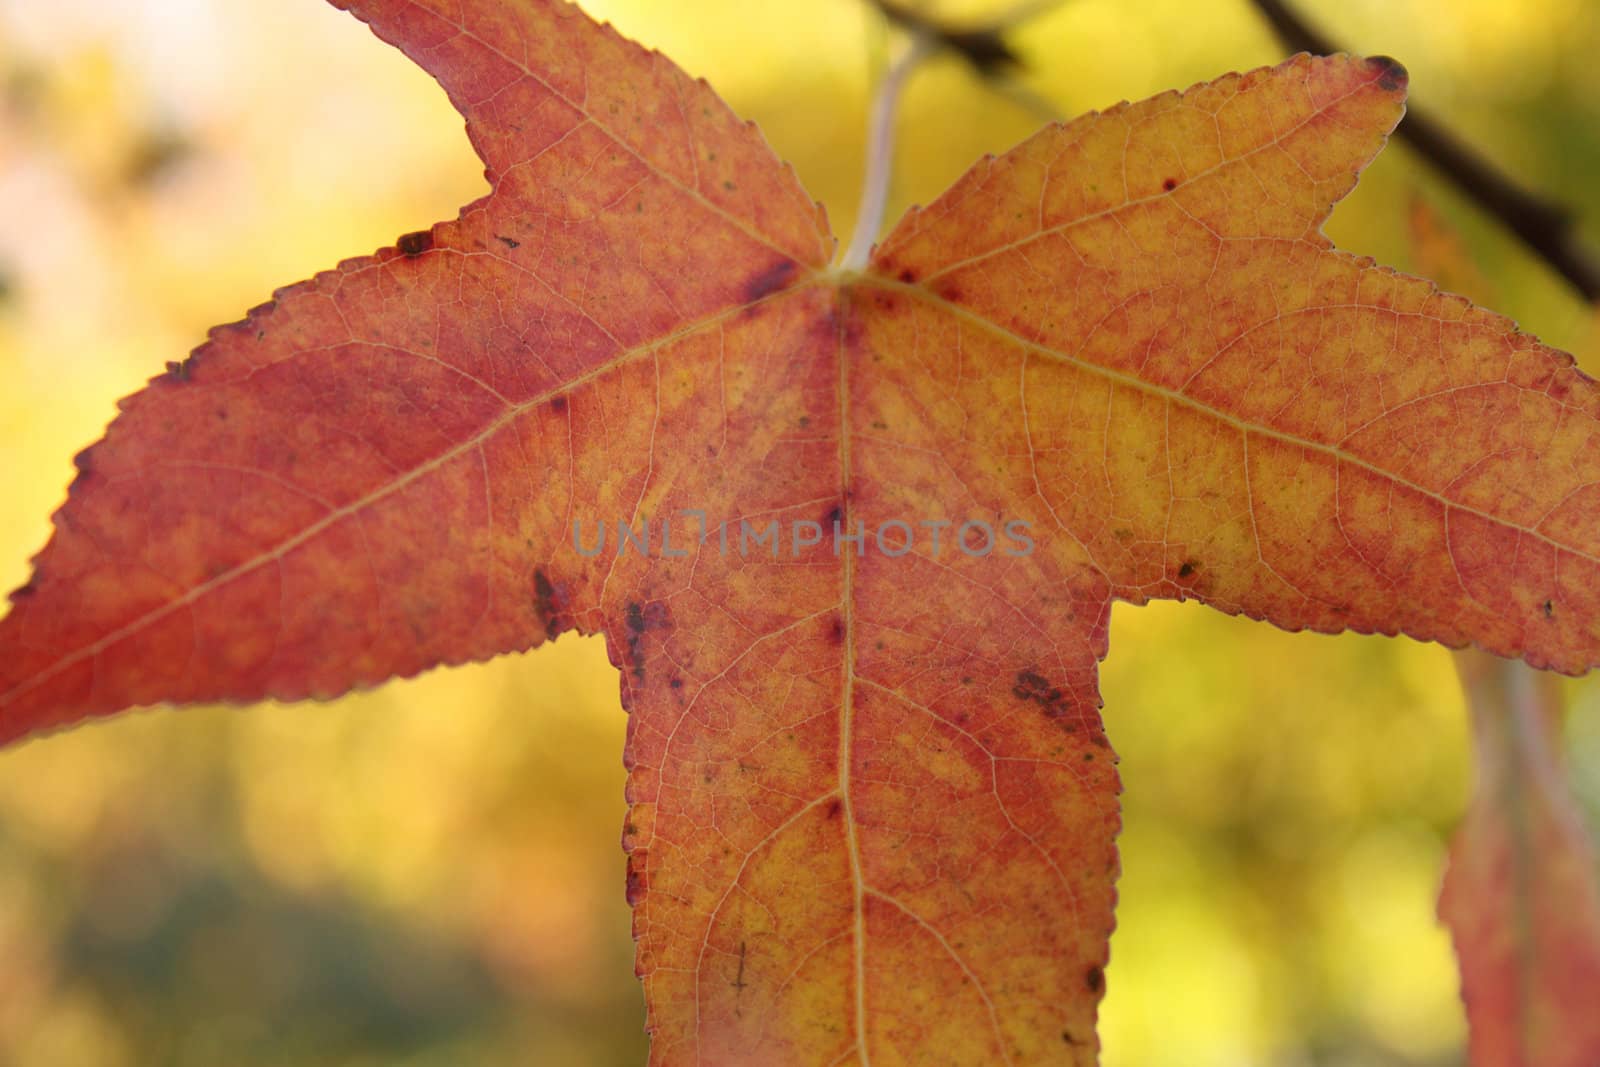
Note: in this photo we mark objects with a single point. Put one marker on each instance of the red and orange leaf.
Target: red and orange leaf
(873, 809)
(1520, 894)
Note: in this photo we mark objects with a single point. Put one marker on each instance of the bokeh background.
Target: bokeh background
(430, 873)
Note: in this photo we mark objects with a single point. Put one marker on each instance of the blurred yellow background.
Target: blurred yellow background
(430, 873)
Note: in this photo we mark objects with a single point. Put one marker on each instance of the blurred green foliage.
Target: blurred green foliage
(429, 873)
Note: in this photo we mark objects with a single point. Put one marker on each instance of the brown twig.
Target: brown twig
(984, 47)
(1546, 228)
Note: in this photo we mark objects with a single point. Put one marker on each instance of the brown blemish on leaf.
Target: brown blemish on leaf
(1035, 688)
(1170, 184)
(638, 881)
(635, 632)
(509, 242)
(908, 276)
(1549, 609)
(640, 619)
(836, 631)
(546, 605)
(835, 806)
(558, 404)
(1188, 568)
(769, 281)
(414, 244)
(1392, 76)
(22, 592)
(1095, 979)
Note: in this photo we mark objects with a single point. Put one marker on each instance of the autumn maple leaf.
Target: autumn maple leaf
(881, 515)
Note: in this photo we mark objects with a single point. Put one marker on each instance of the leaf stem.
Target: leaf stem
(1545, 228)
(880, 153)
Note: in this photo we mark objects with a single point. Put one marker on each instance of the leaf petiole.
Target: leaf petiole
(880, 153)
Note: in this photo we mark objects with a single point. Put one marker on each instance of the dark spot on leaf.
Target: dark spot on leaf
(1391, 75)
(1028, 682)
(637, 881)
(805, 420)
(769, 280)
(908, 276)
(832, 518)
(950, 292)
(641, 618)
(222, 414)
(1188, 568)
(21, 593)
(676, 683)
(558, 404)
(546, 605)
(178, 372)
(260, 334)
(509, 242)
(1170, 184)
(635, 629)
(414, 244)
(1549, 609)
(835, 806)
(1095, 979)
(836, 631)
(1035, 688)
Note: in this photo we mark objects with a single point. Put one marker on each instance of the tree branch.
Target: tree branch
(1545, 228)
(985, 47)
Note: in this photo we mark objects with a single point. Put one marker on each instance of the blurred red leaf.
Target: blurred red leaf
(1520, 893)
(873, 808)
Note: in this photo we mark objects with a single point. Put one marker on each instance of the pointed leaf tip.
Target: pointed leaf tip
(1392, 75)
